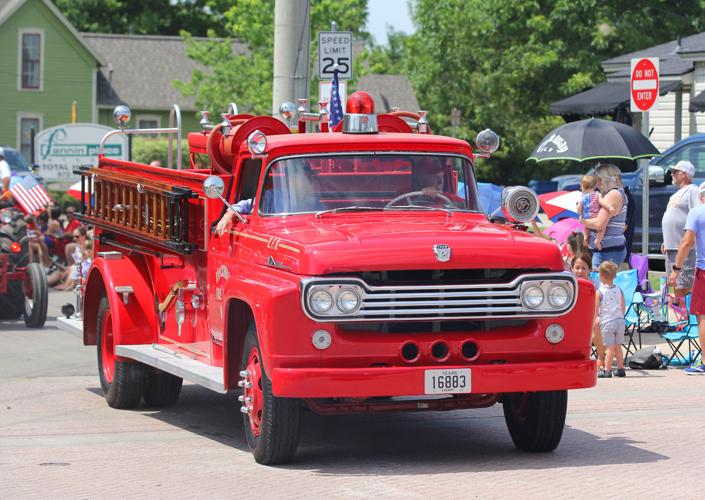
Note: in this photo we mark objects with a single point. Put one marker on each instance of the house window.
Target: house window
(31, 60)
(148, 122)
(27, 124)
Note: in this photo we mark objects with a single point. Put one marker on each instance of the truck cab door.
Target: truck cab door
(225, 259)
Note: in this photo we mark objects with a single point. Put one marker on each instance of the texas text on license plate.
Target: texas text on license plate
(451, 381)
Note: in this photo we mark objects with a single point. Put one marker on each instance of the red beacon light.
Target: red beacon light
(360, 117)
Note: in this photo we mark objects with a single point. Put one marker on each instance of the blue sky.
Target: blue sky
(383, 13)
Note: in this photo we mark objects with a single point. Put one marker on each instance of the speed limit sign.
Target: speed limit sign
(334, 47)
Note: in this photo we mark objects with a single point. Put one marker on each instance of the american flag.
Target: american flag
(336, 107)
(30, 195)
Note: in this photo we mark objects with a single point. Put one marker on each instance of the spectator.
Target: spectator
(630, 223)
(581, 265)
(5, 173)
(573, 246)
(72, 223)
(609, 182)
(694, 235)
(673, 226)
(610, 309)
(589, 205)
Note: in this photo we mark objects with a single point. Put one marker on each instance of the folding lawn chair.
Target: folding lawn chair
(685, 333)
(628, 281)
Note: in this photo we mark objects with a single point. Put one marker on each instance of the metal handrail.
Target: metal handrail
(147, 131)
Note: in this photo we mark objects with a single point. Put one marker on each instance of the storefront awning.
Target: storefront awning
(605, 98)
(697, 103)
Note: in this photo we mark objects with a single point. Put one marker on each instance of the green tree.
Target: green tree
(247, 78)
(384, 59)
(502, 64)
(156, 17)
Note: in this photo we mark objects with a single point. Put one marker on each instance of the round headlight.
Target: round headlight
(6, 216)
(348, 301)
(321, 301)
(558, 296)
(532, 297)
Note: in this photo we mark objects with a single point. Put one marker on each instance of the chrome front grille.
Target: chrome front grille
(450, 301)
(436, 302)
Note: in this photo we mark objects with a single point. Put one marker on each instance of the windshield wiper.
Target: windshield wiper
(416, 207)
(347, 209)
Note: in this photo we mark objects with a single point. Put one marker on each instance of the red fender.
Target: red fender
(133, 323)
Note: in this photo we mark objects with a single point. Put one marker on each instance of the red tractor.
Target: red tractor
(23, 285)
(344, 271)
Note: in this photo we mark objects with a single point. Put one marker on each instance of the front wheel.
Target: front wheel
(271, 423)
(36, 296)
(536, 419)
(121, 381)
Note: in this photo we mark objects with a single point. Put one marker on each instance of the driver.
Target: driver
(428, 177)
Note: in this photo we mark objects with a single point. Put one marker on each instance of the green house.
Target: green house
(51, 71)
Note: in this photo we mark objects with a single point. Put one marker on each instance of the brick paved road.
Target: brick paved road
(58, 438)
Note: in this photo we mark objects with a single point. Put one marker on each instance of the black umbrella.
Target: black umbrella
(593, 139)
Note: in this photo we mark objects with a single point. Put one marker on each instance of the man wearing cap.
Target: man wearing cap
(673, 225)
(5, 173)
(694, 235)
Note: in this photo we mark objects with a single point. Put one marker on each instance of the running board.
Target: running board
(172, 362)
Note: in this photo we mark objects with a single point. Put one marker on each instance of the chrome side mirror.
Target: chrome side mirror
(213, 187)
(487, 141)
(656, 174)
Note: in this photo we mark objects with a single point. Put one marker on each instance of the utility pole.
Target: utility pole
(292, 36)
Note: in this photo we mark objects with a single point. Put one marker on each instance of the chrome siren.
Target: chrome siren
(519, 204)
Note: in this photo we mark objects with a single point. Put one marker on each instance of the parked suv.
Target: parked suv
(19, 167)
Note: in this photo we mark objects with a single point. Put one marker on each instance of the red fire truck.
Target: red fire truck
(358, 274)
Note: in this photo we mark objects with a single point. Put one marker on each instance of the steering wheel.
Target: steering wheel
(413, 194)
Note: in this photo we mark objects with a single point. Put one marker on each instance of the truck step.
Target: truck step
(169, 361)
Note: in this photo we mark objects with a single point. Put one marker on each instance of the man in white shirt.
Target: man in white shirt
(673, 225)
(5, 172)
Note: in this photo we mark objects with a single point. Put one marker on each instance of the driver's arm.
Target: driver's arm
(243, 207)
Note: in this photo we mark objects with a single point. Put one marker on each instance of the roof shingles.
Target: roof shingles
(142, 68)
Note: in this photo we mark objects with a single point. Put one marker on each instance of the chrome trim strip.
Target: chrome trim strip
(489, 308)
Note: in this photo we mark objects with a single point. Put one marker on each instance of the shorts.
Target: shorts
(616, 256)
(687, 275)
(612, 332)
(697, 302)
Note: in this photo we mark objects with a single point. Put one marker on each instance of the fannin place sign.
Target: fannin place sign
(59, 150)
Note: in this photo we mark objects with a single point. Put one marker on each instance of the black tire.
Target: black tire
(125, 388)
(35, 311)
(12, 302)
(280, 417)
(161, 389)
(536, 419)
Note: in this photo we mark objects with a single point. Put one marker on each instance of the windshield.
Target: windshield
(16, 161)
(369, 181)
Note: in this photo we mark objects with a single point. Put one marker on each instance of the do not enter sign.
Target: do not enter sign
(644, 83)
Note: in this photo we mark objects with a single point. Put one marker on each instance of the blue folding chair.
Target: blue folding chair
(686, 334)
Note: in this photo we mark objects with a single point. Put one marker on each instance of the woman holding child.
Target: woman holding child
(610, 217)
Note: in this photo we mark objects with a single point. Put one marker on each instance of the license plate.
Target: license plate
(452, 381)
